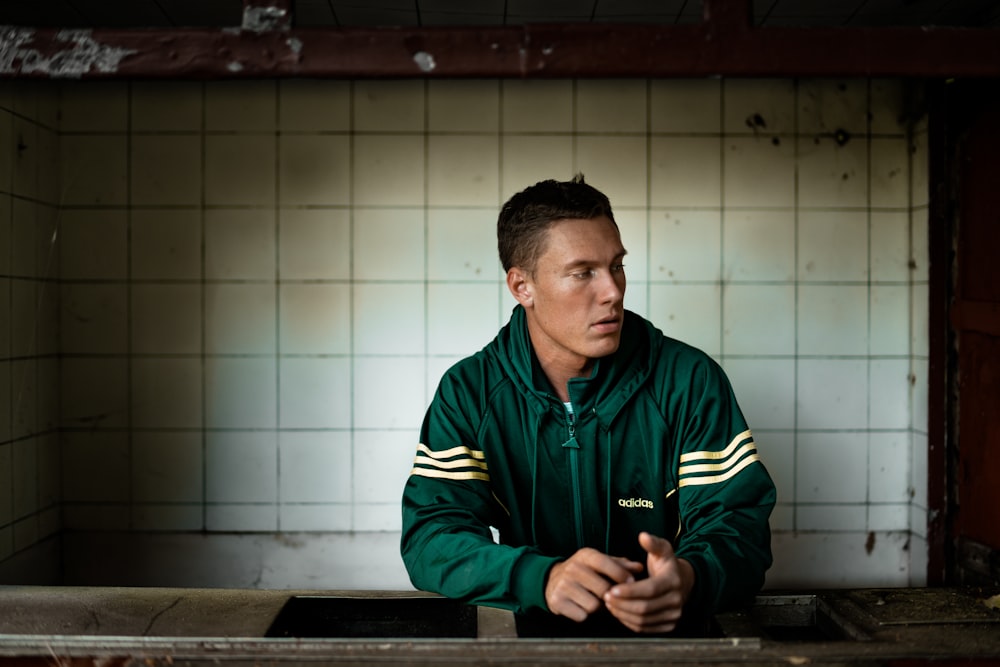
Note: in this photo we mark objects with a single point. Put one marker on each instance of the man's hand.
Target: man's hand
(576, 586)
(653, 604)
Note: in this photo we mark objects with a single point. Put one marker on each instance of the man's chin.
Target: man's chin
(607, 346)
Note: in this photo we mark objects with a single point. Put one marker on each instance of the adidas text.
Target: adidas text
(635, 502)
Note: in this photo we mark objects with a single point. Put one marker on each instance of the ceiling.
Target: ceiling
(367, 13)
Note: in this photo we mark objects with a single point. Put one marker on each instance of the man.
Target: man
(613, 462)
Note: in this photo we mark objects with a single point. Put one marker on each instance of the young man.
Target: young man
(613, 462)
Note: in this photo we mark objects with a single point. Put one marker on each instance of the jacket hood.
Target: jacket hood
(614, 380)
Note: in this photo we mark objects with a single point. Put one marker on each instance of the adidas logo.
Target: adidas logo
(635, 502)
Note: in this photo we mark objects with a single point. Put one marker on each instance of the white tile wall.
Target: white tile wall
(618, 163)
(260, 279)
(166, 318)
(240, 318)
(463, 106)
(472, 233)
(240, 392)
(384, 243)
(453, 330)
(463, 170)
(313, 170)
(307, 105)
(686, 106)
(681, 244)
(240, 106)
(167, 468)
(314, 318)
(758, 319)
(95, 245)
(315, 393)
(529, 158)
(316, 467)
(166, 106)
(396, 106)
(833, 174)
(166, 392)
(832, 320)
(165, 170)
(239, 244)
(690, 313)
(829, 105)
(759, 107)
(93, 170)
(537, 106)
(695, 181)
(239, 169)
(29, 314)
(165, 244)
(314, 244)
(594, 114)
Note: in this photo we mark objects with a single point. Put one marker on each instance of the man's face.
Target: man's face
(574, 300)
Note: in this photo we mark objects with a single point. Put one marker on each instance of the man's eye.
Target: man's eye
(583, 275)
(617, 268)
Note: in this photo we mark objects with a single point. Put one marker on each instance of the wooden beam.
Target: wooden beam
(724, 44)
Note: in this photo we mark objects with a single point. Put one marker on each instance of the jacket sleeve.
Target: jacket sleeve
(448, 508)
(725, 494)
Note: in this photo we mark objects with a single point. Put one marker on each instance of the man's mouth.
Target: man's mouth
(608, 324)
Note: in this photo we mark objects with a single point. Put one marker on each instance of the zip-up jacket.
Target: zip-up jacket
(652, 441)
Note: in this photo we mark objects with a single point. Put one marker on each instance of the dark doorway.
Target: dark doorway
(965, 246)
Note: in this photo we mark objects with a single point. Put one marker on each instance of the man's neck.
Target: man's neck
(559, 377)
(559, 365)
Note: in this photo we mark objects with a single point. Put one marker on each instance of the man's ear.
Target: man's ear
(520, 286)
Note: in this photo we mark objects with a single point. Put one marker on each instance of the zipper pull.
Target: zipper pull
(571, 423)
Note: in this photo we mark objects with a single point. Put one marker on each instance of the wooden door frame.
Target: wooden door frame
(953, 559)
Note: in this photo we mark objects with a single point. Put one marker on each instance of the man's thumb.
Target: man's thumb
(655, 545)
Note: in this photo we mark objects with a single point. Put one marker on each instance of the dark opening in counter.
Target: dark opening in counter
(389, 617)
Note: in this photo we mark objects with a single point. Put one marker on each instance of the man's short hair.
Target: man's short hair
(526, 217)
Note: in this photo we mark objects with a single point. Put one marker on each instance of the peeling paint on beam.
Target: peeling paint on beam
(266, 15)
(72, 54)
(723, 48)
(264, 19)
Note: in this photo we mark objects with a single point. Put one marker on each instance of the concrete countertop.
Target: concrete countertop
(172, 626)
(138, 612)
(151, 612)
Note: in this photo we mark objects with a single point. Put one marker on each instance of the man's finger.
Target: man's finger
(573, 590)
(634, 614)
(575, 587)
(615, 569)
(630, 565)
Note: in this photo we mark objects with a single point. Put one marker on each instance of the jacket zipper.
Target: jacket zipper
(574, 473)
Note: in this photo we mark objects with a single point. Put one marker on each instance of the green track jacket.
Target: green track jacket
(656, 442)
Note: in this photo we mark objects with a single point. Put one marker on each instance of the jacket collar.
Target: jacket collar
(614, 380)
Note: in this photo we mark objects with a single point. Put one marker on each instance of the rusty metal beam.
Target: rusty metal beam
(723, 44)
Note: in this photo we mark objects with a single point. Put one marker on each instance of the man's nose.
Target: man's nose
(612, 287)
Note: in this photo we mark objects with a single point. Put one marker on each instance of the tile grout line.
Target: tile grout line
(129, 368)
(352, 296)
(203, 296)
(278, 417)
(796, 88)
